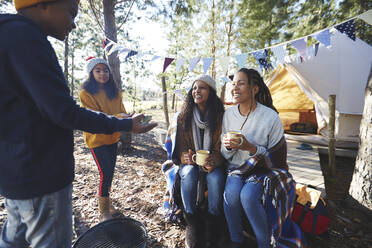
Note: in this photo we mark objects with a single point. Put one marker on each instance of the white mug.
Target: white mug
(234, 135)
(200, 156)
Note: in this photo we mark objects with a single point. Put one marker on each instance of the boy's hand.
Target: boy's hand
(138, 127)
(186, 157)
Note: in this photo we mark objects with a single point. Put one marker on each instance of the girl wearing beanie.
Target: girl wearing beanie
(100, 93)
(198, 127)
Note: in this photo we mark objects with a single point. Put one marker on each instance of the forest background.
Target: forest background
(186, 29)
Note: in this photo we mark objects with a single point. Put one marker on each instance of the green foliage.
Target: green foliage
(309, 17)
(261, 22)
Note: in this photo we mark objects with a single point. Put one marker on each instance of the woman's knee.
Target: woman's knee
(216, 177)
(250, 195)
(231, 195)
(188, 170)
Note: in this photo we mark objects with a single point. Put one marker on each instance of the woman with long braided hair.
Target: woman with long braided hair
(256, 161)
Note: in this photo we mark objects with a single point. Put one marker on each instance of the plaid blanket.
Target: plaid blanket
(173, 203)
(278, 196)
(279, 191)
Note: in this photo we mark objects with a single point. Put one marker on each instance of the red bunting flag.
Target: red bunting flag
(167, 61)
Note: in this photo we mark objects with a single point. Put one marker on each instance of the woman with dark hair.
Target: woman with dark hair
(100, 93)
(258, 182)
(198, 127)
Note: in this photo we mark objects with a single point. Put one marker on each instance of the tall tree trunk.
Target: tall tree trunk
(173, 100)
(223, 89)
(72, 68)
(110, 31)
(229, 34)
(361, 184)
(66, 59)
(213, 37)
(165, 101)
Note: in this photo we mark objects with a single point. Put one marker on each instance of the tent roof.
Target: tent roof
(286, 94)
(342, 69)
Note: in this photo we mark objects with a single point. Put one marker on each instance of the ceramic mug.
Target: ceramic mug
(200, 156)
(234, 135)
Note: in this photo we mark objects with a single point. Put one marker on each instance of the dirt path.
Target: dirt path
(138, 189)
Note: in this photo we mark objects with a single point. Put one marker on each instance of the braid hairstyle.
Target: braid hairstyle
(214, 111)
(263, 95)
(92, 86)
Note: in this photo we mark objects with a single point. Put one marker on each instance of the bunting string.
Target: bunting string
(261, 55)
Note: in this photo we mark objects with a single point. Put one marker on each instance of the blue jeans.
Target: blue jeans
(105, 158)
(40, 222)
(215, 182)
(245, 196)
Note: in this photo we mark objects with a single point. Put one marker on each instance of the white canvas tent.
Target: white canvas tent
(291, 102)
(341, 69)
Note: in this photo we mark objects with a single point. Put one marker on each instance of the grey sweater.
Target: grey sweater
(263, 129)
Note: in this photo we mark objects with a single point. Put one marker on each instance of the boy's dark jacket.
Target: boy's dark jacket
(37, 114)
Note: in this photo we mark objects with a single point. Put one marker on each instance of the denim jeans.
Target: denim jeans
(105, 158)
(245, 196)
(215, 182)
(40, 222)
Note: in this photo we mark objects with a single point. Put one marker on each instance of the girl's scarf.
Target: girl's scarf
(197, 125)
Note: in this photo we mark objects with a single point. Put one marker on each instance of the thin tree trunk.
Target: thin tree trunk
(165, 101)
(213, 37)
(66, 59)
(223, 89)
(110, 31)
(72, 68)
(173, 100)
(361, 184)
(331, 136)
(229, 42)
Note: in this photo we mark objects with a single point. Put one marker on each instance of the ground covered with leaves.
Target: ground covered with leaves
(138, 190)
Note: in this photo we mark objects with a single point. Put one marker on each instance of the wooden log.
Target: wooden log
(331, 135)
(165, 101)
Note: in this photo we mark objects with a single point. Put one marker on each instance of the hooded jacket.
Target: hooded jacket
(37, 114)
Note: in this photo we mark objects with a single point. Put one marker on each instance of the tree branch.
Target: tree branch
(126, 17)
(94, 10)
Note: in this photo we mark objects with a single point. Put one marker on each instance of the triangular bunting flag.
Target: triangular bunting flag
(367, 17)
(241, 59)
(323, 37)
(179, 64)
(193, 62)
(225, 79)
(347, 28)
(130, 54)
(279, 52)
(316, 48)
(105, 41)
(139, 54)
(155, 58)
(113, 49)
(167, 61)
(124, 50)
(261, 57)
(206, 64)
(108, 45)
(310, 52)
(224, 64)
(300, 46)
